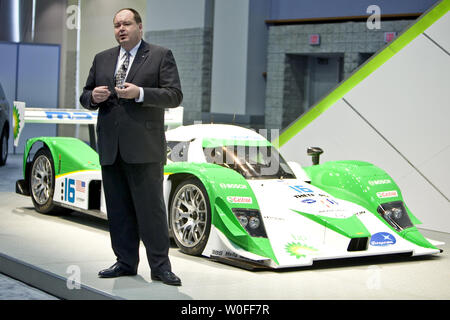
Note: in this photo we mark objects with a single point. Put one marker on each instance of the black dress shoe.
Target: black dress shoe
(167, 277)
(115, 271)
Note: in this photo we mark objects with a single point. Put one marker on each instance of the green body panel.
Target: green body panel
(216, 179)
(69, 154)
(413, 235)
(350, 227)
(354, 181)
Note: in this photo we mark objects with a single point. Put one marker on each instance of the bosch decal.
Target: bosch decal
(378, 182)
(232, 186)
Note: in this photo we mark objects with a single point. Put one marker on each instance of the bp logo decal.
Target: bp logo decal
(299, 250)
(16, 122)
(382, 239)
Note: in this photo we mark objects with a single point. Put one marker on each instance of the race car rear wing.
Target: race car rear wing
(173, 117)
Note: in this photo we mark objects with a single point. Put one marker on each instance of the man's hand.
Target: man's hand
(100, 94)
(129, 91)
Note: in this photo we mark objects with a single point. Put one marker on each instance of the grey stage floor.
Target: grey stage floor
(57, 253)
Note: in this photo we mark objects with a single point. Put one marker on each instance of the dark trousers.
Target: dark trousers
(136, 211)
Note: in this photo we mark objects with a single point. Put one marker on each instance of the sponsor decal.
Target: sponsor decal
(378, 182)
(16, 121)
(238, 199)
(274, 218)
(382, 239)
(305, 195)
(309, 201)
(226, 253)
(387, 194)
(80, 186)
(301, 189)
(73, 190)
(60, 115)
(329, 202)
(299, 250)
(231, 254)
(69, 190)
(233, 186)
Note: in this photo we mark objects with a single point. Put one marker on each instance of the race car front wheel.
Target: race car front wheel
(42, 182)
(190, 216)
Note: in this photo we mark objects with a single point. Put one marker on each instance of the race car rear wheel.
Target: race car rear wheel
(190, 216)
(42, 182)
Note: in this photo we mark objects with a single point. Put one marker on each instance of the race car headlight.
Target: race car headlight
(254, 223)
(395, 214)
(251, 221)
(243, 220)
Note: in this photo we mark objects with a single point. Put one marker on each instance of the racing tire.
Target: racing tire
(42, 183)
(3, 147)
(190, 216)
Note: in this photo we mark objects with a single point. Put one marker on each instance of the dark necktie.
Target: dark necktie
(122, 72)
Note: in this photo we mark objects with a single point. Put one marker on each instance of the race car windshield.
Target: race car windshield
(252, 162)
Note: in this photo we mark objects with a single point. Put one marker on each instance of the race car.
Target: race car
(231, 196)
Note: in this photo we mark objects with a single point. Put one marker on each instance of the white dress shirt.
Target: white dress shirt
(121, 59)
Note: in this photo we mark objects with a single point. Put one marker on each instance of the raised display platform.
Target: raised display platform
(53, 252)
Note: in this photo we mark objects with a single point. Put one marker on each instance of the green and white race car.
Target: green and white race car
(232, 197)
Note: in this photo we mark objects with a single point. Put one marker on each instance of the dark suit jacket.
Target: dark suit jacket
(136, 128)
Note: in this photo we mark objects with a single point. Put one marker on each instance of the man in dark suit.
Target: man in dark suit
(131, 85)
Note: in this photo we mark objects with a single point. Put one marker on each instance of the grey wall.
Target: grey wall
(185, 27)
(175, 14)
(97, 34)
(352, 40)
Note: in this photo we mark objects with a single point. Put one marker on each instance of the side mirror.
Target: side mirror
(315, 152)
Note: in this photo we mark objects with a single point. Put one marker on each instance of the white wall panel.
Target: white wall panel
(343, 135)
(438, 167)
(439, 32)
(408, 101)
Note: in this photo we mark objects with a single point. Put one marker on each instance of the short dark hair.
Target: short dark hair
(137, 16)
